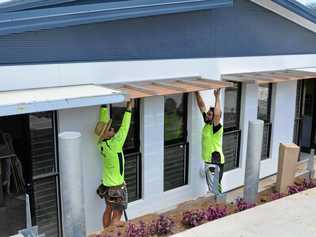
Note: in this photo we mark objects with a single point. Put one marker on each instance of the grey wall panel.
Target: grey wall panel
(244, 30)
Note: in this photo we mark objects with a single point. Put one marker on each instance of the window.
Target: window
(29, 150)
(264, 111)
(304, 126)
(298, 113)
(176, 146)
(131, 149)
(45, 175)
(232, 133)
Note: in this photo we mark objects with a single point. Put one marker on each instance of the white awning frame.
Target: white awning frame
(56, 98)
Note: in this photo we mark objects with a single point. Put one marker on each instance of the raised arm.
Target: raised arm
(104, 114)
(217, 109)
(200, 102)
(121, 134)
(129, 105)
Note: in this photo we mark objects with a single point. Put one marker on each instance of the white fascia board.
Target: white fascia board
(56, 98)
(17, 77)
(308, 69)
(284, 12)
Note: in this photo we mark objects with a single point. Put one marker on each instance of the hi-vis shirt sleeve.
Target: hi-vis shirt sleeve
(104, 114)
(101, 147)
(120, 137)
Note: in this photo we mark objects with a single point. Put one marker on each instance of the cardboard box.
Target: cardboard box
(288, 157)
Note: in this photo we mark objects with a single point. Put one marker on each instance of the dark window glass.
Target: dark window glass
(133, 175)
(28, 152)
(42, 143)
(298, 112)
(46, 204)
(117, 112)
(131, 149)
(265, 152)
(264, 110)
(176, 146)
(45, 172)
(232, 133)
(232, 106)
(175, 165)
(264, 102)
(175, 117)
(307, 116)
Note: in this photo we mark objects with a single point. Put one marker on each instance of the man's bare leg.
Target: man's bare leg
(107, 216)
(116, 218)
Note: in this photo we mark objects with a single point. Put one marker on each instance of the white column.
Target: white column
(84, 120)
(254, 145)
(195, 124)
(152, 140)
(71, 184)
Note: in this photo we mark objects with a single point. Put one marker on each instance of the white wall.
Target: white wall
(282, 118)
(152, 109)
(83, 120)
(195, 123)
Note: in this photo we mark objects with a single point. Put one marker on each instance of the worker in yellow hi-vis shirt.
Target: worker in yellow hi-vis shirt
(110, 144)
(212, 134)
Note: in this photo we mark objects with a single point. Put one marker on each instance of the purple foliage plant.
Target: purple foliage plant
(213, 213)
(277, 195)
(162, 226)
(242, 205)
(137, 230)
(193, 218)
(307, 184)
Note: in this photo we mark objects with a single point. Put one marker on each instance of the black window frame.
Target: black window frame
(305, 106)
(180, 142)
(54, 174)
(298, 112)
(235, 129)
(136, 118)
(134, 152)
(267, 124)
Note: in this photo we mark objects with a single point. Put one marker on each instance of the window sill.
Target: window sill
(178, 189)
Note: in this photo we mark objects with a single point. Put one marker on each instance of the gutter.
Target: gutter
(32, 20)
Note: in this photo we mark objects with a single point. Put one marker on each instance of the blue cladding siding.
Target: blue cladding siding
(51, 18)
(244, 30)
(252, 31)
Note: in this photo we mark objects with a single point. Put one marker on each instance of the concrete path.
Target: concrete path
(291, 216)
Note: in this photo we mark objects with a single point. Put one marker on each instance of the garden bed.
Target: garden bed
(194, 213)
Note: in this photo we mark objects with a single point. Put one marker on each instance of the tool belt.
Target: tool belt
(114, 194)
(215, 158)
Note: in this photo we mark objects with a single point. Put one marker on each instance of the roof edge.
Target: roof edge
(298, 9)
(32, 20)
(287, 13)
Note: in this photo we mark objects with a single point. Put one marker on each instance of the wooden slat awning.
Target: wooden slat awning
(269, 76)
(168, 86)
